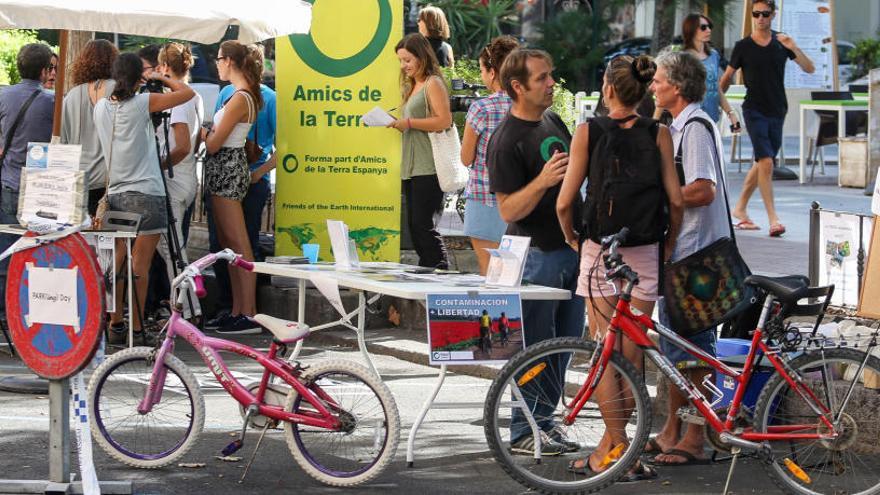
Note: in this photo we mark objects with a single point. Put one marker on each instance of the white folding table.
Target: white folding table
(364, 280)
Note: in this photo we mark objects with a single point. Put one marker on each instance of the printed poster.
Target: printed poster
(809, 23)
(331, 164)
(839, 244)
(473, 329)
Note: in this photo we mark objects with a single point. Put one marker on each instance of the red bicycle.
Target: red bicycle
(815, 424)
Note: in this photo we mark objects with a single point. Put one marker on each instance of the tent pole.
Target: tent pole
(63, 37)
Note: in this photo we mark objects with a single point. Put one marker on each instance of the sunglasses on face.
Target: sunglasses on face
(762, 13)
(704, 27)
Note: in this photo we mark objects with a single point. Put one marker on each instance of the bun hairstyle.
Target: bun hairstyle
(178, 57)
(494, 54)
(420, 48)
(435, 22)
(247, 59)
(95, 62)
(630, 77)
(127, 72)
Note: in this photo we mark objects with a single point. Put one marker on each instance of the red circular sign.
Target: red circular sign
(56, 350)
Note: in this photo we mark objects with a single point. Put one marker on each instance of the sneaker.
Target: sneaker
(142, 338)
(240, 325)
(526, 446)
(557, 434)
(220, 320)
(117, 335)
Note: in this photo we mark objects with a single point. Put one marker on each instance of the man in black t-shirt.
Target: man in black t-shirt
(762, 57)
(527, 157)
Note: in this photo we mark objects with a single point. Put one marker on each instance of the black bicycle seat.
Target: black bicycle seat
(787, 289)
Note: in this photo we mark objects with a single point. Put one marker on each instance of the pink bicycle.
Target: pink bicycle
(340, 421)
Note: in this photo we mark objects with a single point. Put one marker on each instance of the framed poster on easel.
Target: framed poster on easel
(811, 24)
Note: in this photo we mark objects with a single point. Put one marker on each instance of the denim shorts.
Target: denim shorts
(483, 222)
(764, 132)
(704, 340)
(152, 209)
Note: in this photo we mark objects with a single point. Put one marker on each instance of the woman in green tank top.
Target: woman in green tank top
(425, 109)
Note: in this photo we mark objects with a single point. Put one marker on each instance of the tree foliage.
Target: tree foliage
(11, 41)
(865, 56)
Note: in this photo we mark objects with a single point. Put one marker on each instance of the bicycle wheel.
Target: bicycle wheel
(849, 464)
(537, 375)
(150, 440)
(370, 431)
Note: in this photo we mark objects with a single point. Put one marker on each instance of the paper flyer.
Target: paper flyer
(508, 261)
(839, 241)
(468, 328)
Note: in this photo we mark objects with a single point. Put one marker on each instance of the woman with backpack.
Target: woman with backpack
(632, 183)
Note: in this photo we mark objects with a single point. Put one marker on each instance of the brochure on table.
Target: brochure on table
(52, 186)
(344, 248)
(472, 328)
(506, 264)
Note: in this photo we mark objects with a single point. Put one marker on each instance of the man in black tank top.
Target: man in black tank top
(527, 159)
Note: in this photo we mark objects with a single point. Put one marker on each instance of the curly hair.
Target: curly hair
(94, 62)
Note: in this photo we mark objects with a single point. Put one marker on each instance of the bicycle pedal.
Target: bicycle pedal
(232, 448)
(690, 415)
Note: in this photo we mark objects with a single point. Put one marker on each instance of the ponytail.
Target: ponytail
(247, 59)
(127, 72)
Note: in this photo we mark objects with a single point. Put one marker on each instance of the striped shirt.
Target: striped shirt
(484, 115)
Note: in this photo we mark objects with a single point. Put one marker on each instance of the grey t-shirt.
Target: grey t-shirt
(701, 225)
(131, 156)
(78, 127)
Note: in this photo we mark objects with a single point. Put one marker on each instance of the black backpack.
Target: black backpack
(625, 184)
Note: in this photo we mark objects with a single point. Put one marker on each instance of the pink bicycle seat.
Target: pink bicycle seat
(284, 330)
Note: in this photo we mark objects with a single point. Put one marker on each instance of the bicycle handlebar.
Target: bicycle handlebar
(194, 270)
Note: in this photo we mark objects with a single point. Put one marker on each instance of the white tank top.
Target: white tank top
(240, 131)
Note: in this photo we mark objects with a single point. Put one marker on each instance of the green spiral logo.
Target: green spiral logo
(308, 51)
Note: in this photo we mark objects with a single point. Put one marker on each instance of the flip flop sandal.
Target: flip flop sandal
(585, 470)
(690, 459)
(654, 446)
(746, 224)
(641, 472)
(777, 230)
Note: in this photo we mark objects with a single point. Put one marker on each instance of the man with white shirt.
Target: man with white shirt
(679, 85)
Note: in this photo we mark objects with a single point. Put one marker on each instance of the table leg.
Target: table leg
(130, 293)
(361, 327)
(301, 314)
(803, 161)
(410, 458)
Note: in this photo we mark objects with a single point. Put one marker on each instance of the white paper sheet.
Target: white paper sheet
(64, 156)
(377, 117)
(508, 261)
(338, 232)
(52, 297)
(329, 288)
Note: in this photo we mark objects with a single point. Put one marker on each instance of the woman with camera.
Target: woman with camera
(425, 109)
(182, 129)
(134, 183)
(482, 222)
(91, 75)
(227, 176)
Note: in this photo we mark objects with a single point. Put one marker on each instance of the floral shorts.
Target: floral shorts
(227, 174)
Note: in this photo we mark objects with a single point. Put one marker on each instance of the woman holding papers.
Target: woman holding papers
(425, 109)
(227, 177)
(135, 182)
(482, 222)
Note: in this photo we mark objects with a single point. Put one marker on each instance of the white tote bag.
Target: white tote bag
(451, 173)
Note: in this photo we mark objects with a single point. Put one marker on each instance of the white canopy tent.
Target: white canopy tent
(192, 20)
(203, 21)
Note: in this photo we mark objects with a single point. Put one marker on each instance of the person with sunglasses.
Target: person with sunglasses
(762, 57)
(696, 32)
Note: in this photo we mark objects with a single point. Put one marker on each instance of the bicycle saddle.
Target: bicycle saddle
(285, 331)
(787, 289)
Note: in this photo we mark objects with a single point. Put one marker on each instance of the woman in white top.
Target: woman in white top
(227, 177)
(135, 182)
(183, 131)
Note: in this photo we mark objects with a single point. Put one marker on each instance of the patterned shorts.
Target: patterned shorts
(227, 174)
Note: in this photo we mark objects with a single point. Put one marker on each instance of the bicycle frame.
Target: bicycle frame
(632, 324)
(209, 348)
